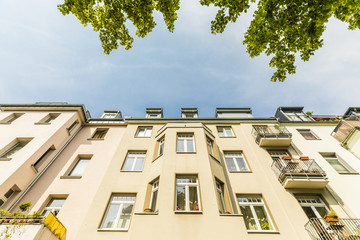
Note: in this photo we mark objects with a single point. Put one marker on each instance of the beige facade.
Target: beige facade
(232, 176)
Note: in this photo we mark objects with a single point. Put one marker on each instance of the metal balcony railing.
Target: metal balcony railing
(265, 131)
(297, 169)
(344, 229)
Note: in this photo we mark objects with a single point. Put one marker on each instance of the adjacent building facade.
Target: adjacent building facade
(233, 176)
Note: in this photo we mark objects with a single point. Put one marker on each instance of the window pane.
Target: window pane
(248, 217)
(221, 133)
(241, 164)
(180, 198)
(230, 163)
(228, 132)
(125, 216)
(153, 200)
(322, 211)
(128, 163)
(148, 132)
(56, 203)
(309, 212)
(193, 199)
(337, 166)
(141, 132)
(180, 145)
(79, 167)
(111, 216)
(190, 145)
(161, 148)
(263, 218)
(139, 164)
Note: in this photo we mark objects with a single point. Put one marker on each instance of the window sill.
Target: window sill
(188, 212)
(230, 215)
(351, 173)
(70, 177)
(147, 213)
(129, 171)
(6, 123)
(185, 152)
(142, 137)
(157, 158)
(96, 139)
(41, 123)
(112, 230)
(263, 231)
(34, 168)
(240, 171)
(5, 159)
(228, 137)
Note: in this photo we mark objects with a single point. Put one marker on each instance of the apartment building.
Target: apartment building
(233, 176)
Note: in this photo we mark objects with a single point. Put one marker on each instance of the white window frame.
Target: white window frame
(235, 155)
(327, 157)
(187, 194)
(53, 209)
(136, 156)
(118, 215)
(222, 131)
(76, 164)
(251, 205)
(313, 205)
(305, 131)
(147, 132)
(185, 137)
(300, 116)
(161, 143)
(220, 189)
(154, 188)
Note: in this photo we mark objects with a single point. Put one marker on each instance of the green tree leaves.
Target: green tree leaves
(280, 28)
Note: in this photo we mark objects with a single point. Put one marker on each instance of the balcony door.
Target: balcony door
(277, 156)
(313, 206)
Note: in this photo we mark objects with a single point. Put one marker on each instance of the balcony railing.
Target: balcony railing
(300, 173)
(344, 229)
(271, 135)
(344, 128)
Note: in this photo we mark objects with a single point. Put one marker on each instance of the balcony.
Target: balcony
(344, 229)
(49, 228)
(269, 136)
(345, 129)
(300, 174)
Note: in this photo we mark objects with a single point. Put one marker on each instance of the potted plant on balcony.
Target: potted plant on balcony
(331, 217)
(304, 158)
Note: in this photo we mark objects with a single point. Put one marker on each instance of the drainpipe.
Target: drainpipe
(44, 170)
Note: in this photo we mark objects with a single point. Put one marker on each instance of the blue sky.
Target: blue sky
(45, 56)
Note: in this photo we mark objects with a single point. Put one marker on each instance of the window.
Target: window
(308, 134)
(185, 143)
(255, 214)
(99, 134)
(210, 146)
(187, 194)
(1, 202)
(235, 162)
(54, 206)
(118, 212)
(313, 206)
(336, 162)
(9, 193)
(11, 118)
(225, 132)
(189, 115)
(220, 196)
(161, 146)
(72, 127)
(79, 167)
(14, 149)
(278, 157)
(144, 132)
(153, 197)
(51, 117)
(298, 116)
(134, 161)
(43, 158)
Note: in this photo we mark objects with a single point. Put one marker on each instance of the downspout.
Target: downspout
(44, 170)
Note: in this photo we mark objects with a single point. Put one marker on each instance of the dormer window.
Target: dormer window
(154, 113)
(189, 113)
(111, 114)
